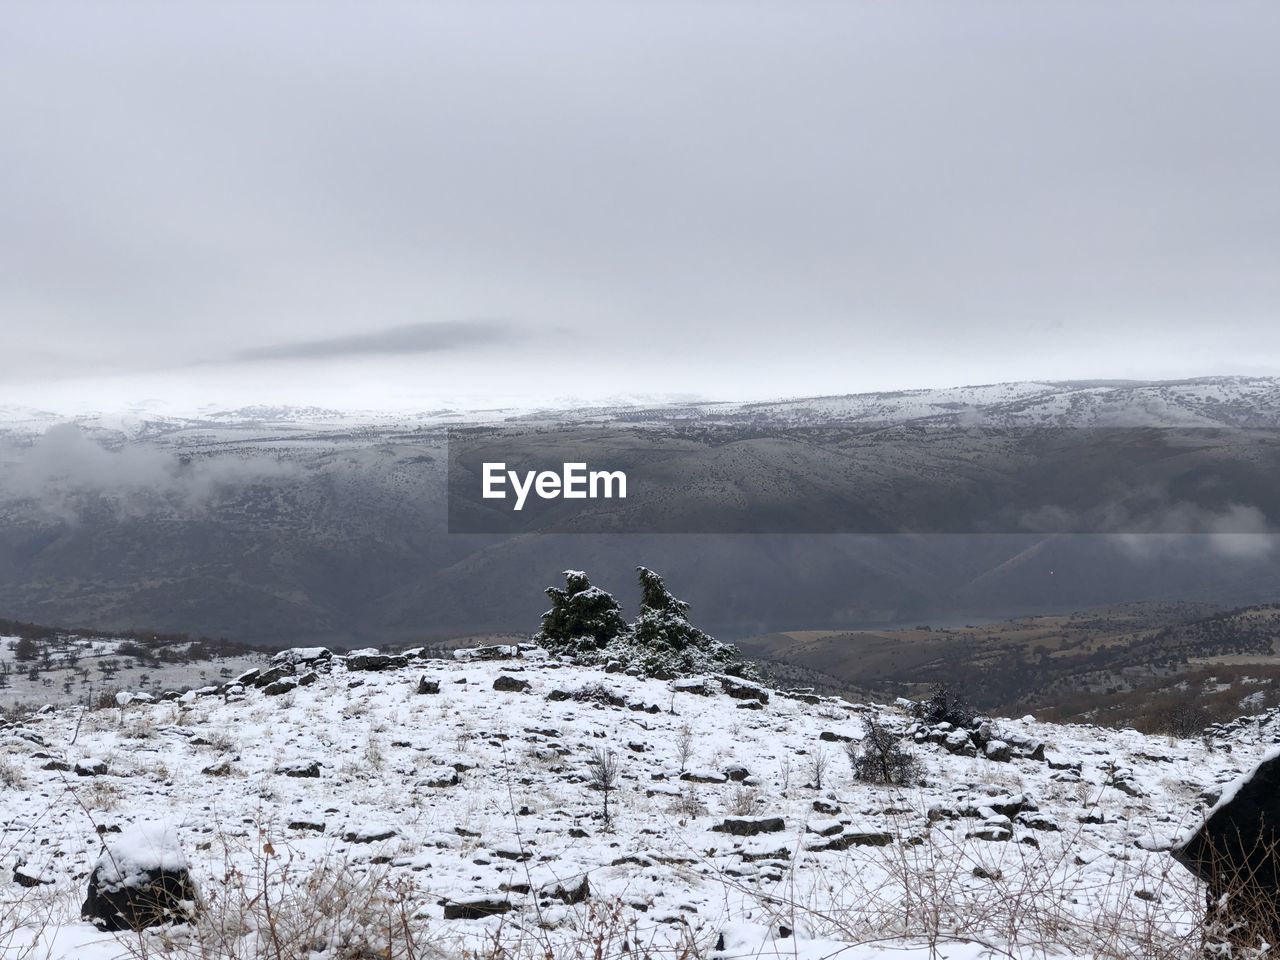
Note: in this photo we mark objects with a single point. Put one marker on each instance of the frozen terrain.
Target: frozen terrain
(356, 812)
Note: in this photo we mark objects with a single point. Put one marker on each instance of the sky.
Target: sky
(399, 203)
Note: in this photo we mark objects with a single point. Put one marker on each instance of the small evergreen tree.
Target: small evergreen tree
(583, 620)
(665, 644)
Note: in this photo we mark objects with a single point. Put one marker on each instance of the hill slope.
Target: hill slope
(368, 809)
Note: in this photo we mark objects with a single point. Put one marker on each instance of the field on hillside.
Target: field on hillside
(1129, 664)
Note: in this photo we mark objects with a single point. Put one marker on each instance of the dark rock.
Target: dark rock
(743, 689)
(750, 826)
(61, 766)
(736, 772)
(222, 769)
(426, 686)
(307, 679)
(826, 806)
(567, 891)
(300, 768)
(369, 835)
(476, 909)
(998, 751)
(376, 661)
(283, 685)
(23, 876)
(830, 736)
(302, 824)
(509, 684)
(1234, 854)
(90, 768)
(124, 895)
(275, 674)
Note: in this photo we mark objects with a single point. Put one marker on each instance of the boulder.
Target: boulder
(426, 686)
(475, 909)
(277, 687)
(300, 768)
(90, 767)
(372, 660)
(1234, 853)
(140, 880)
(267, 677)
(750, 826)
(741, 689)
(509, 684)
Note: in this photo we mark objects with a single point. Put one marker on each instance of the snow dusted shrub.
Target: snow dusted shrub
(586, 622)
(945, 705)
(880, 758)
(583, 620)
(663, 643)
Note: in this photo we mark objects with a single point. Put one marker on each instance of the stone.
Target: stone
(475, 909)
(141, 880)
(426, 686)
(741, 689)
(300, 768)
(375, 661)
(509, 684)
(1234, 853)
(750, 826)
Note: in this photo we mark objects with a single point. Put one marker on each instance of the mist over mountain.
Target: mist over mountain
(282, 526)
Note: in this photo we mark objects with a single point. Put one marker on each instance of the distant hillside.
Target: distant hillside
(1131, 664)
(274, 526)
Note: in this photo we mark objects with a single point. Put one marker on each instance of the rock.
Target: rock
(308, 655)
(267, 677)
(475, 909)
(741, 689)
(998, 751)
(300, 768)
(222, 769)
(25, 876)
(567, 891)
(703, 776)
(444, 777)
(308, 678)
(830, 736)
(307, 824)
(372, 660)
(283, 685)
(426, 686)
(90, 767)
(499, 651)
(826, 806)
(750, 826)
(959, 743)
(695, 685)
(509, 684)
(369, 834)
(1233, 853)
(736, 772)
(141, 880)
(851, 837)
(61, 766)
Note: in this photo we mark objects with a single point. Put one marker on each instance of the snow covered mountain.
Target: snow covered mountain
(393, 806)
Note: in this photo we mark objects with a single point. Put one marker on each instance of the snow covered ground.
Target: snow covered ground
(349, 802)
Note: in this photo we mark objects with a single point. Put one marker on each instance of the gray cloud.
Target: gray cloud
(822, 197)
(399, 341)
(64, 472)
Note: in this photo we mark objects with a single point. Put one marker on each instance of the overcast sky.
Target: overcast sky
(364, 203)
